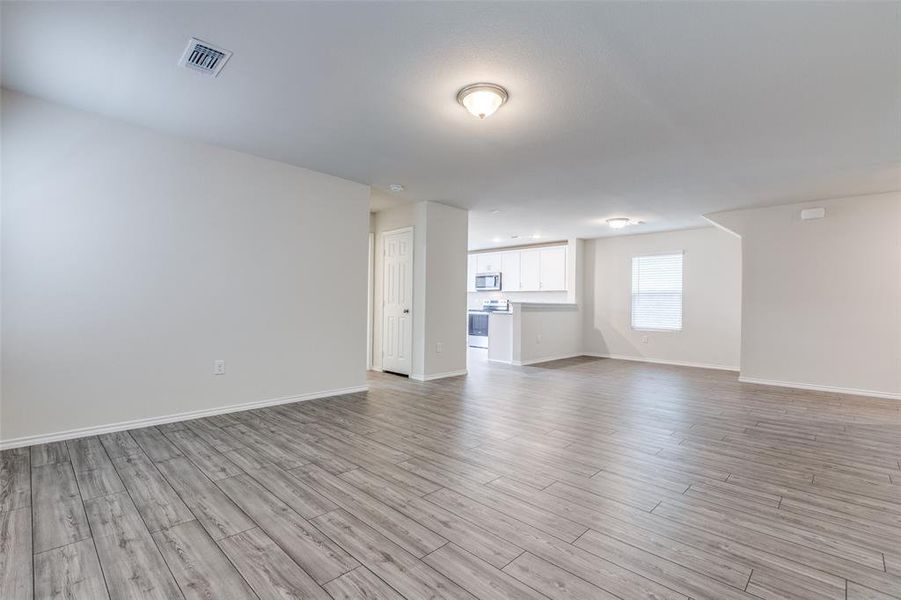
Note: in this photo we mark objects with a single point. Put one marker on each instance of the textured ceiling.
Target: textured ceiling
(656, 111)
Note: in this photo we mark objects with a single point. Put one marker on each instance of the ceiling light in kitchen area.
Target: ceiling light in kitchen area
(618, 222)
(395, 187)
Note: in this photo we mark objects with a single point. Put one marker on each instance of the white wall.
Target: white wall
(822, 299)
(711, 330)
(132, 260)
(439, 285)
(447, 231)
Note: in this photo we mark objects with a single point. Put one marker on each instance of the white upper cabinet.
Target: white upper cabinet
(510, 271)
(528, 270)
(489, 262)
(552, 268)
(529, 267)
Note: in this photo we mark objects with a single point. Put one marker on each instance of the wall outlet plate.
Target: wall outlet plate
(439, 347)
(219, 367)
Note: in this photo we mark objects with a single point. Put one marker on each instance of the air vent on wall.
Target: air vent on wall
(204, 57)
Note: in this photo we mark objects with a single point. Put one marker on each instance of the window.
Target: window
(657, 292)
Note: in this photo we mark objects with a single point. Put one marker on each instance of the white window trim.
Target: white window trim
(631, 293)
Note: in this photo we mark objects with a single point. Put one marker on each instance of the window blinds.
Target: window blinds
(657, 292)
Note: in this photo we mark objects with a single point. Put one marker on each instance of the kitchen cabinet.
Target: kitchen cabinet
(552, 268)
(529, 267)
(541, 269)
(510, 271)
(471, 270)
(489, 262)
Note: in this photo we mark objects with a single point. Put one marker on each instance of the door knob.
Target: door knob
(406, 311)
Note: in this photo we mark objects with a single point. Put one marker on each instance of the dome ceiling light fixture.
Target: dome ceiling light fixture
(482, 99)
(618, 222)
(396, 188)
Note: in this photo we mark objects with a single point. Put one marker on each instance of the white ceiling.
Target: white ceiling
(655, 111)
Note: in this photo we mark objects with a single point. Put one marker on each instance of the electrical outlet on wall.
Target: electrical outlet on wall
(538, 338)
(644, 339)
(219, 367)
(439, 347)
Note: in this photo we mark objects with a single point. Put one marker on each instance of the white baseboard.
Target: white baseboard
(822, 388)
(421, 377)
(183, 416)
(677, 363)
(544, 359)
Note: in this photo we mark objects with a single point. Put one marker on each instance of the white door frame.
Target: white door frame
(369, 300)
(382, 237)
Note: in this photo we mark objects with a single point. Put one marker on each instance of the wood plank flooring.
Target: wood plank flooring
(577, 479)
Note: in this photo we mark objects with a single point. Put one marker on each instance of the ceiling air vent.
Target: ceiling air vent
(204, 57)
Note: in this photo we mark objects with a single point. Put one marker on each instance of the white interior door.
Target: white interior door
(397, 302)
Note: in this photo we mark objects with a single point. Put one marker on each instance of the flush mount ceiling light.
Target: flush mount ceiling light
(482, 99)
(618, 222)
(395, 187)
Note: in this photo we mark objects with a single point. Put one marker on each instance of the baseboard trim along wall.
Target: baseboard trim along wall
(184, 416)
(821, 388)
(544, 359)
(421, 377)
(676, 363)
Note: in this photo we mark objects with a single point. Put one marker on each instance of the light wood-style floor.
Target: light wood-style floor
(579, 479)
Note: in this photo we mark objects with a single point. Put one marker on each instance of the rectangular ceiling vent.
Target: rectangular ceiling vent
(204, 57)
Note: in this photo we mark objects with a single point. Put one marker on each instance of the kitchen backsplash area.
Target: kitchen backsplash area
(475, 299)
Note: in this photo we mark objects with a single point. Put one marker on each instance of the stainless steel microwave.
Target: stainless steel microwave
(488, 282)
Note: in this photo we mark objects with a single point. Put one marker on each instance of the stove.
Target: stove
(496, 305)
(478, 321)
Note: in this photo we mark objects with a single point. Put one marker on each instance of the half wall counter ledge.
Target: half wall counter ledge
(535, 332)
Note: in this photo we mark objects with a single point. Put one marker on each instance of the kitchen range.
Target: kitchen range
(478, 321)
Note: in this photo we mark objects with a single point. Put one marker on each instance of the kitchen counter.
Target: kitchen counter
(545, 305)
(533, 332)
